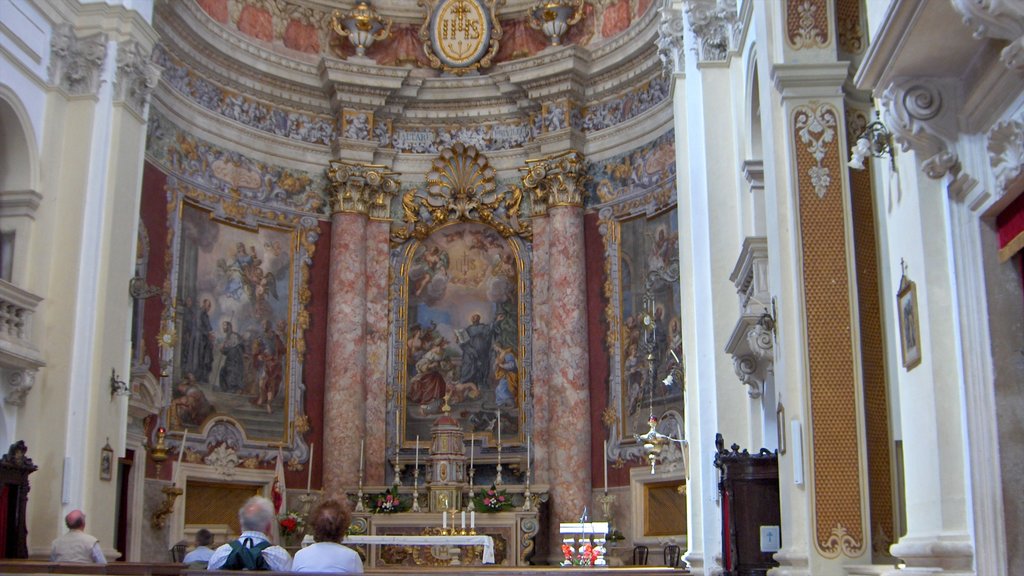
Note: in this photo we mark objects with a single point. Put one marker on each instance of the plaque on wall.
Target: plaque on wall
(460, 36)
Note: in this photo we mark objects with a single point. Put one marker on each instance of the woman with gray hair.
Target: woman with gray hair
(253, 549)
(330, 522)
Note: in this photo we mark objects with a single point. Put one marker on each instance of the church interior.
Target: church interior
(722, 286)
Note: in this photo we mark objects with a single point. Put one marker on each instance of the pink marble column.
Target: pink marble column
(345, 384)
(377, 252)
(540, 270)
(568, 366)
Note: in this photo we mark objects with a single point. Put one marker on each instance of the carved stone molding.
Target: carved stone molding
(361, 188)
(1000, 19)
(556, 181)
(76, 64)
(136, 76)
(1006, 152)
(670, 39)
(20, 382)
(714, 23)
(224, 460)
(922, 119)
(746, 370)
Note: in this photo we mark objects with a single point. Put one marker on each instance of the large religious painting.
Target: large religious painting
(462, 336)
(234, 287)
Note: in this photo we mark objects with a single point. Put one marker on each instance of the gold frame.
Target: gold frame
(910, 328)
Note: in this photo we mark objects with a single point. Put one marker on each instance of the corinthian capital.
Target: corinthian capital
(670, 39)
(999, 19)
(361, 188)
(136, 76)
(920, 115)
(76, 64)
(557, 181)
(714, 23)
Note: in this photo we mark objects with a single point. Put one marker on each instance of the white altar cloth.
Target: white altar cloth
(479, 540)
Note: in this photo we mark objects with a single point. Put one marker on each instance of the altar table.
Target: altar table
(478, 540)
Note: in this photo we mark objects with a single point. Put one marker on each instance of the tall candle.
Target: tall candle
(604, 457)
(396, 434)
(417, 464)
(444, 519)
(472, 519)
(471, 451)
(362, 448)
(181, 455)
(527, 458)
(463, 516)
(499, 427)
(309, 476)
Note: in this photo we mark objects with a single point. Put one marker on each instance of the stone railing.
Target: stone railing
(19, 354)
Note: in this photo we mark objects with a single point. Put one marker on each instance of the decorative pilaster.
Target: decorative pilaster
(919, 113)
(136, 76)
(714, 23)
(557, 186)
(76, 64)
(359, 193)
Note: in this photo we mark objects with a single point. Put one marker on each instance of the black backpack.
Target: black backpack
(246, 558)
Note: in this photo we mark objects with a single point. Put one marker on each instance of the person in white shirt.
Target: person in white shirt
(202, 552)
(330, 522)
(256, 518)
(76, 545)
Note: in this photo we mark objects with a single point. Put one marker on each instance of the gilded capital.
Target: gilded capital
(556, 181)
(359, 188)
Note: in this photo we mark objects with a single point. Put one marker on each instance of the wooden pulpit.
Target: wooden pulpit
(14, 470)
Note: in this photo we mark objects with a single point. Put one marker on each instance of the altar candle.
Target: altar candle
(309, 476)
(417, 464)
(444, 519)
(463, 516)
(396, 434)
(470, 451)
(181, 455)
(362, 447)
(499, 427)
(527, 458)
(472, 519)
(604, 457)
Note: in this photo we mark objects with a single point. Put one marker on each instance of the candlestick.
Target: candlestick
(604, 457)
(181, 455)
(309, 475)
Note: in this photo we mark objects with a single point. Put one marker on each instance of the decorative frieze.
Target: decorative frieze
(915, 110)
(19, 383)
(76, 64)
(361, 188)
(714, 23)
(136, 76)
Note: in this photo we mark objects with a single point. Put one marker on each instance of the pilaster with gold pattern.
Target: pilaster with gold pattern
(360, 198)
(556, 186)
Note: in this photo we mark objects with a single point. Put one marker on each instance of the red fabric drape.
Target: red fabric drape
(1010, 224)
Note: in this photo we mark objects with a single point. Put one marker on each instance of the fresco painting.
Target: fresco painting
(462, 332)
(233, 325)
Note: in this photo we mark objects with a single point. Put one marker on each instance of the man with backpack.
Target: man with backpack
(253, 550)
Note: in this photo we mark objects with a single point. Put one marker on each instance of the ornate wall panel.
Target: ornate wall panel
(807, 24)
(831, 364)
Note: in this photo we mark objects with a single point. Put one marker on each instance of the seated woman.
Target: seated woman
(330, 522)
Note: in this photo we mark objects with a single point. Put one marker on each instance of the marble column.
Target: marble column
(356, 312)
(567, 399)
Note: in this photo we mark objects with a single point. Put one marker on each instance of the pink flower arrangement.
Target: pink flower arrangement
(493, 500)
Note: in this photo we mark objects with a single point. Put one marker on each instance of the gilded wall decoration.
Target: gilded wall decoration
(460, 36)
(807, 24)
(835, 456)
(240, 279)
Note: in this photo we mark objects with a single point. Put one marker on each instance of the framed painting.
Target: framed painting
(233, 315)
(910, 330)
(462, 338)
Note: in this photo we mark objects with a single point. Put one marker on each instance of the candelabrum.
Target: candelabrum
(497, 478)
(171, 494)
(416, 489)
(607, 501)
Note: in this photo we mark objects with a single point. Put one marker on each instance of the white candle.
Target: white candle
(362, 448)
(309, 476)
(472, 519)
(396, 434)
(527, 458)
(181, 455)
(470, 451)
(499, 427)
(444, 519)
(604, 457)
(417, 464)
(463, 515)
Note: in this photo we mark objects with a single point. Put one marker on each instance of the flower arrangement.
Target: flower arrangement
(586, 555)
(387, 502)
(492, 500)
(291, 524)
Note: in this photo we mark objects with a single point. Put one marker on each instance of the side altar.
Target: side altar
(447, 504)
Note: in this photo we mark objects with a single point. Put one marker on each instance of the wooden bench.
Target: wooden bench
(120, 568)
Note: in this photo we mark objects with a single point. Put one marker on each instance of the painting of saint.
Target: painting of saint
(462, 330)
(233, 320)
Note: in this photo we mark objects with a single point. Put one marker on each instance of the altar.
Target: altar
(512, 535)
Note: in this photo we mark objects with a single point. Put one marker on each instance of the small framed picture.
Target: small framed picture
(107, 462)
(910, 328)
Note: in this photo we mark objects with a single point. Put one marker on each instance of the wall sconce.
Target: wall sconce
(362, 25)
(554, 17)
(160, 515)
(875, 140)
(140, 290)
(118, 387)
